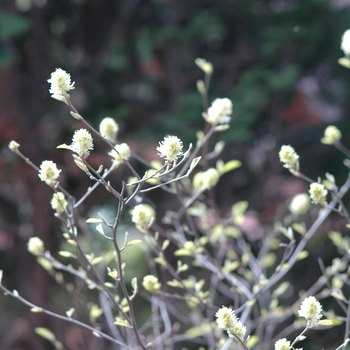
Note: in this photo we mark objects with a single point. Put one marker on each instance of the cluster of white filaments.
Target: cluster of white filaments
(289, 157)
(219, 112)
(143, 216)
(318, 193)
(60, 84)
(59, 202)
(119, 154)
(170, 149)
(227, 320)
(151, 283)
(109, 129)
(48, 172)
(311, 310)
(82, 143)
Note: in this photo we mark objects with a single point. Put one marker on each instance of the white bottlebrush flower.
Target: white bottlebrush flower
(204, 65)
(210, 178)
(225, 318)
(219, 112)
(49, 172)
(60, 83)
(311, 310)
(331, 135)
(282, 344)
(35, 246)
(151, 283)
(59, 202)
(300, 204)
(318, 193)
(109, 129)
(121, 153)
(13, 146)
(289, 157)
(238, 330)
(170, 149)
(82, 143)
(143, 216)
(345, 43)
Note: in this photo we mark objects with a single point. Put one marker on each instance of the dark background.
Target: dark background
(133, 60)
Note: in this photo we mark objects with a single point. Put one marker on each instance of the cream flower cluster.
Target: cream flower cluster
(143, 216)
(331, 135)
(109, 129)
(219, 112)
(13, 146)
(311, 310)
(318, 193)
(49, 172)
(300, 204)
(227, 320)
(170, 148)
(282, 344)
(35, 246)
(60, 84)
(345, 43)
(151, 283)
(59, 202)
(289, 157)
(119, 154)
(82, 143)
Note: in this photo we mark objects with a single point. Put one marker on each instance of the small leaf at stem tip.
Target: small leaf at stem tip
(93, 221)
(99, 228)
(160, 261)
(134, 284)
(70, 312)
(64, 146)
(165, 244)
(96, 260)
(194, 163)
(75, 115)
(134, 241)
(120, 322)
(36, 309)
(45, 333)
(326, 322)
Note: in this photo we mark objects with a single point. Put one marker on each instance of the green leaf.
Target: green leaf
(45, 333)
(231, 165)
(175, 284)
(93, 221)
(122, 323)
(134, 241)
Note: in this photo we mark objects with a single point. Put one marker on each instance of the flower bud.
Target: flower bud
(331, 135)
(109, 129)
(13, 146)
(300, 204)
(219, 112)
(151, 284)
(289, 157)
(35, 246)
(59, 202)
(121, 153)
(143, 216)
(318, 193)
(345, 43)
(210, 178)
(49, 172)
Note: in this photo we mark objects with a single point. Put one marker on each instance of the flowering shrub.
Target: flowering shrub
(203, 276)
